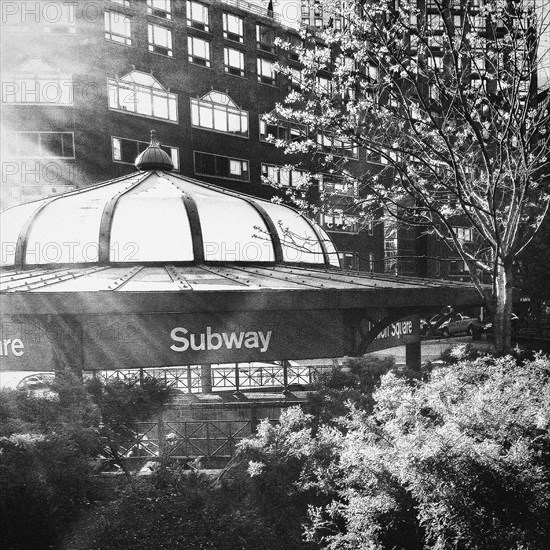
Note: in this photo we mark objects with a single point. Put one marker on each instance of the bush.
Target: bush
(49, 450)
(178, 509)
(461, 460)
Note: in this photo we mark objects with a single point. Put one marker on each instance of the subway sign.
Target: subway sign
(402, 332)
(171, 339)
(133, 341)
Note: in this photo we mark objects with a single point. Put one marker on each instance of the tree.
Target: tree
(447, 100)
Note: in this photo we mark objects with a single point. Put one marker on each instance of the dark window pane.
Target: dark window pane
(68, 145)
(52, 144)
(222, 166)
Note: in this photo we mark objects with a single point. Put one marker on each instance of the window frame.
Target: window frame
(196, 59)
(133, 88)
(262, 78)
(153, 46)
(127, 39)
(199, 103)
(229, 159)
(260, 43)
(287, 127)
(292, 173)
(40, 80)
(16, 134)
(159, 12)
(232, 69)
(339, 213)
(230, 35)
(199, 24)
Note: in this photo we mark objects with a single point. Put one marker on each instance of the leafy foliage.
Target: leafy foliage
(181, 509)
(352, 383)
(49, 450)
(461, 460)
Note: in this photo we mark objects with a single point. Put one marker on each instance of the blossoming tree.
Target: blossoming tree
(446, 98)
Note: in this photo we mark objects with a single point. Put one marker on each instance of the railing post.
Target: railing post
(189, 379)
(206, 378)
(237, 384)
(285, 374)
(161, 437)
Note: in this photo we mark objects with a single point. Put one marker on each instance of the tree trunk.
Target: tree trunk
(502, 325)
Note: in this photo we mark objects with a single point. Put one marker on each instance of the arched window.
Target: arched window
(218, 112)
(37, 82)
(141, 94)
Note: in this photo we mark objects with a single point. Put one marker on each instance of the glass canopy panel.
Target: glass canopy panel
(299, 241)
(150, 224)
(67, 229)
(11, 224)
(232, 229)
(330, 248)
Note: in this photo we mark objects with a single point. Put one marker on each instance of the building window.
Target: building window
(281, 129)
(465, 234)
(434, 23)
(324, 85)
(197, 16)
(371, 262)
(233, 61)
(199, 51)
(283, 176)
(118, 28)
(217, 111)
(337, 146)
(338, 186)
(265, 38)
(126, 151)
(337, 221)
(266, 71)
(160, 8)
(435, 62)
(36, 82)
(141, 94)
(349, 260)
(233, 27)
(457, 267)
(160, 40)
(218, 166)
(39, 145)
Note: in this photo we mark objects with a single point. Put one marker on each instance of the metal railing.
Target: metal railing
(238, 377)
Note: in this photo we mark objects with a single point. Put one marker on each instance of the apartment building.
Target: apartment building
(84, 83)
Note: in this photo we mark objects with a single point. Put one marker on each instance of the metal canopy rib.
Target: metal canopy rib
(252, 201)
(104, 241)
(22, 240)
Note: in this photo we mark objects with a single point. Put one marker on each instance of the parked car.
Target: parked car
(35, 383)
(459, 323)
(488, 325)
(426, 325)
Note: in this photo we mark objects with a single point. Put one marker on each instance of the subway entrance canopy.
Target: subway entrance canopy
(155, 269)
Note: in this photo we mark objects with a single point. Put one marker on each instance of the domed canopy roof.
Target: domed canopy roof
(158, 216)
